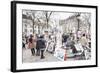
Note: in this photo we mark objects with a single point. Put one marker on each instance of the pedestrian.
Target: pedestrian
(32, 44)
(64, 39)
(84, 43)
(26, 41)
(37, 48)
(41, 46)
(83, 40)
(23, 43)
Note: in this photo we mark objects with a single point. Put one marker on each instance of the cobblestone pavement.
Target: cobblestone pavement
(28, 58)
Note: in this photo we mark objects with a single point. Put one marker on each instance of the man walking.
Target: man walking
(41, 45)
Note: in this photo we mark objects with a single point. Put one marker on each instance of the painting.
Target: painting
(47, 36)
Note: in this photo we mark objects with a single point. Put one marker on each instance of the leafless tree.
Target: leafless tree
(33, 16)
(87, 19)
(47, 15)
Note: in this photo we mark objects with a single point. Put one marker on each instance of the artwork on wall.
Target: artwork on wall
(48, 36)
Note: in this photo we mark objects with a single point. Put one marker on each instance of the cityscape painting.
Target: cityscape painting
(48, 36)
(66, 36)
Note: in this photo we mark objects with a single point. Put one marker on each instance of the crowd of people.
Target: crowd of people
(83, 40)
(38, 44)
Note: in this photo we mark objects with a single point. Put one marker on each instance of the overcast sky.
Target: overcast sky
(61, 15)
(56, 15)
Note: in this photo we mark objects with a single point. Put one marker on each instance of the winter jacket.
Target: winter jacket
(32, 44)
(40, 44)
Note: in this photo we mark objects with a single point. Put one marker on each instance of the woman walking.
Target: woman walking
(32, 44)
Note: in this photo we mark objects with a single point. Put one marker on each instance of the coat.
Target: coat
(32, 44)
(83, 41)
(40, 44)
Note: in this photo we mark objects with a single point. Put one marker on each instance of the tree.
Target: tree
(47, 15)
(77, 17)
(39, 25)
(33, 18)
(87, 20)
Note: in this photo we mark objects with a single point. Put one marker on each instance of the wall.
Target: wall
(5, 36)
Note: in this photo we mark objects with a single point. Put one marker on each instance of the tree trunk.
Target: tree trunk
(78, 26)
(33, 26)
(47, 24)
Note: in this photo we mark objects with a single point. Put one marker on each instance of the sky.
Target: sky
(61, 15)
(57, 15)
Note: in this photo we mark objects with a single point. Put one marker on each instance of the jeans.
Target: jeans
(42, 53)
(33, 51)
(38, 52)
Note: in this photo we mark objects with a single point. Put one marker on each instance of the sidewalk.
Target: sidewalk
(28, 58)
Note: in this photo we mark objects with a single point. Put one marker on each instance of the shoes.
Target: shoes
(37, 54)
(42, 57)
(32, 54)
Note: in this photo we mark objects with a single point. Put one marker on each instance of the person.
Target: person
(37, 49)
(85, 45)
(72, 37)
(64, 39)
(41, 45)
(47, 39)
(83, 40)
(23, 43)
(32, 44)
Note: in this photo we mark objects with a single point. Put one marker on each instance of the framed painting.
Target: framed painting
(48, 36)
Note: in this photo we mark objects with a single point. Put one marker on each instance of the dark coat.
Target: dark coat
(64, 38)
(40, 44)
